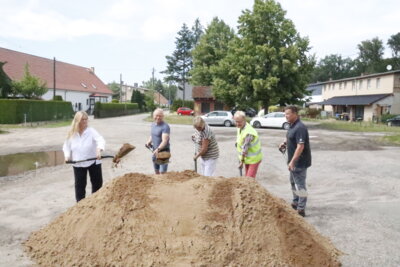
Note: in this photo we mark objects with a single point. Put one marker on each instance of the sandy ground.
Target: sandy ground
(353, 184)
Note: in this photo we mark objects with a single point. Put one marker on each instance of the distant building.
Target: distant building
(127, 91)
(73, 83)
(365, 97)
(188, 92)
(204, 101)
(315, 98)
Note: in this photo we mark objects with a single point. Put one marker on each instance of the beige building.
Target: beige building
(364, 97)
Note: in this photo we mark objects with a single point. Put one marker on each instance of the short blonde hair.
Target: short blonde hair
(198, 122)
(240, 114)
(158, 110)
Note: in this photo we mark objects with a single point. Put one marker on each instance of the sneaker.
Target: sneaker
(294, 206)
(302, 213)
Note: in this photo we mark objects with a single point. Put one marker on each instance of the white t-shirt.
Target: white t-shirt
(80, 147)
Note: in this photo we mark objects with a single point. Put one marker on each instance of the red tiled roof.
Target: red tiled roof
(163, 100)
(202, 92)
(68, 76)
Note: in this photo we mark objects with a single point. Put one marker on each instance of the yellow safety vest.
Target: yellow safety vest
(254, 153)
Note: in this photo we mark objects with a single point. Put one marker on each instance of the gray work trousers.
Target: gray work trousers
(299, 189)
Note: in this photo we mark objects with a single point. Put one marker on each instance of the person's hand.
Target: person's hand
(155, 152)
(291, 166)
(98, 153)
(282, 146)
(193, 138)
(240, 165)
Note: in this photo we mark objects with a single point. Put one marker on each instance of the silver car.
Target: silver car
(273, 120)
(219, 117)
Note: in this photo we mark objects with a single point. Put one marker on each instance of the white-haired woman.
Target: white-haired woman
(82, 143)
(206, 147)
(248, 145)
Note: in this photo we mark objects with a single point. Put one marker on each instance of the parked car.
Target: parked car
(394, 121)
(250, 112)
(185, 111)
(219, 117)
(273, 120)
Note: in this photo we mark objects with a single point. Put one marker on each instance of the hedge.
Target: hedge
(13, 111)
(105, 110)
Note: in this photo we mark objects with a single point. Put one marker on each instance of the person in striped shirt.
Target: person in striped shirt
(206, 147)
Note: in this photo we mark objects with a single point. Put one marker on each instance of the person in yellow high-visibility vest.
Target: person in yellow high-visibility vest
(248, 145)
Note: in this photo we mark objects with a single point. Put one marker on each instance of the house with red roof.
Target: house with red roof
(204, 100)
(73, 83)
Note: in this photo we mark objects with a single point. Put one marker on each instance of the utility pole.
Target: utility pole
(54, 78)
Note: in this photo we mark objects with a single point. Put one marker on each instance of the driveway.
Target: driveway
(353, 184)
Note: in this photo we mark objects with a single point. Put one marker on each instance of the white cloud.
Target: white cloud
(156, 28)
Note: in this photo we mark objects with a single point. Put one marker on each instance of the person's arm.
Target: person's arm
(296, 156)
(245, 147)
(164, 142)
(100, 143)
(67, 150)
(203, 149)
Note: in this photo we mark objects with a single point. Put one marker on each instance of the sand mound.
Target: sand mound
(180, 219)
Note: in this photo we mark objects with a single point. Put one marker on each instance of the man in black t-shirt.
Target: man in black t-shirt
(299, 157)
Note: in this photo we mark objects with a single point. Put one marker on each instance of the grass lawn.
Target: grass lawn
(36, 124)
(392, 133)
(175, 119)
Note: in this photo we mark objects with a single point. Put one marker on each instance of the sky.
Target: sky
(129, 38)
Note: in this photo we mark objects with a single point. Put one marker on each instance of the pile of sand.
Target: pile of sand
(180, 219)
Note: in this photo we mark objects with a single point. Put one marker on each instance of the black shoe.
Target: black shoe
(302, 213)
(294, 206)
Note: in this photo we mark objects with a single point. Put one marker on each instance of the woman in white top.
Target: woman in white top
(82, 143)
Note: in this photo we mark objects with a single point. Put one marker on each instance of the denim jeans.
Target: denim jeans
(298, 182)
(162, 168)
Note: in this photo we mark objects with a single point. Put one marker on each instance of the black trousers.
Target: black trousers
(96, 178)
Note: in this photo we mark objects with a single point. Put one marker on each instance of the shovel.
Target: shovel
(125, 149)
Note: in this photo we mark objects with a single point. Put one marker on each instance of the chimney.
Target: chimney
(135, 85)
(92, 69)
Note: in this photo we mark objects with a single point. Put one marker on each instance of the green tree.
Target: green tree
(5, 82)
(267, 62)
(212, 47)
(180, 63)
(139, 98)
(197, 32)
(370, 56)
(29, 86)
(333, 67)
(394, 44)
(116, 89)
(149, 100)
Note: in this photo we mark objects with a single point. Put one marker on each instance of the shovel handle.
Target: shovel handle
(77, 161)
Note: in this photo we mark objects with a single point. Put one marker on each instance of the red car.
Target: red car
(185, 111)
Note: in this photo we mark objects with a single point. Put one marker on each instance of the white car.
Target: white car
(273, 120)
(219, 117)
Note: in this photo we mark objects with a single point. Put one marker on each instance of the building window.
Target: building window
(345, 85)
(87, 101)
(353, 85)
(378, 82)
(340, 86)
(368, 83)
(360, 84)
(83, 85)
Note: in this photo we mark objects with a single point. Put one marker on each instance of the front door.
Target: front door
(359, 112)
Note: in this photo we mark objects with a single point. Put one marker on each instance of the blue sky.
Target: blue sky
(130, 37)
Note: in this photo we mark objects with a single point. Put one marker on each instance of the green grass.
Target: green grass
(356, 126)
(175, 119)
(37, 124)
(391, 139)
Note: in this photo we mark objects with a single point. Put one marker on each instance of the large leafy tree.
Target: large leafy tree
(167, 90)
(5, 82)
(267, 63)
(334, 67)
(212, 47)
(116, 89)
(29, 86)
(394, 44)
(180, 63)
(370, 56)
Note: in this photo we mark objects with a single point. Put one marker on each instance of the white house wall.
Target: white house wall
(75, 98)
